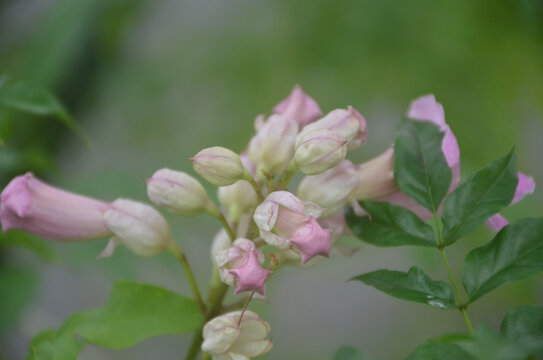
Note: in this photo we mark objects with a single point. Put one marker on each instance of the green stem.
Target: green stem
(285, 178)
(459, 303)
(180, 255)
(226, 225)
(253, 183)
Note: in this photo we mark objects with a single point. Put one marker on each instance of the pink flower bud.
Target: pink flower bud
(331, 188)
(299, 106)
(272, 148)
(179, 192)
(218, 165)
(40, 209)
(525, 186)
(319, 150)
(287, 222)
(350, 124)
(226, 337)
(239, 266)
(137, 226)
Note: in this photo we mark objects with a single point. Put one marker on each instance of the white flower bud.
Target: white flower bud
(178, 192)
(331, 188)
(137, 226)
(224, 339)
(272, 148)
(319, 150)
(238, 198)
(218, 165)
(220, 242)
(376, 177)
(350, 124)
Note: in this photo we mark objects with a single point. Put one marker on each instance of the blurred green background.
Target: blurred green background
(153, 82)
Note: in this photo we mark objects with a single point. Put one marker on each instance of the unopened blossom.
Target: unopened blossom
(350, 124)
(319, 150)
(33, 206)
(218, 165)
(240, 267)
(287, 222)
(228, 338)
(272, 148)
(299, 107)
(238, 198)
(137, 226)
(425, 108)
(525, 186)
(220, 242)
(330, 189)
(179, 192)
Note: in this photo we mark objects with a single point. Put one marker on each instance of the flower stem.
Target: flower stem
(226, 226)
(459, 303)
(253, 183)
(180, 256)
(285, 178)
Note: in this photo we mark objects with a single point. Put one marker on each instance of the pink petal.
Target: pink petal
(299, 107)
(525, 186)
(496, 222)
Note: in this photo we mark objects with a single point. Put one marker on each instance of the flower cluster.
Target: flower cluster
(256, 209)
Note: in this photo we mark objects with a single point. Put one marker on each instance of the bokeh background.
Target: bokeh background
(153, 82)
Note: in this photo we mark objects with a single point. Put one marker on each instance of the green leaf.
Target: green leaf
(515, 253)
(17, 287)
(440, 351)
(524, 325)
(37, 246)
(420, 168)
(36, 100)
(488, 345)
(50, 345)
(138, 311)
(414, 285)
(349, 353)
(484, 194)
(389, 225)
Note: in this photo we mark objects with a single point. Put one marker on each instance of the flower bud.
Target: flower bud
(137, 226)
(272, 148)
(331, 188)
(43, 210)
(178, 192)
(319, 150)
(376, 177)
(220, 242)
(287, 222)
(239, 266)
(299, 107)
(350, 124)
(218, 165)
(238, 198)
(225, 339)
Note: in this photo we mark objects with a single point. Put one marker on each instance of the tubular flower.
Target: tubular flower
(525, 186)
(376, 176)
(43, 210)
(137, 226)
(224, 339)
(239, 266)
(350, 124)
(287, 222)
(299, 107)
(272, 148)
(331, 188)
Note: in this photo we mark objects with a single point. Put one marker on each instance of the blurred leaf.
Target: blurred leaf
(450, 338)
(524, 325)
(349, 353)
(54, 345)
(515, 253)
(487, 345)
(414, 285)
(36, 100)
(138, 311)
(389, 225)
(38, 246)
(420, 168)
(482, 195)
(17, 287)
(440, 351)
